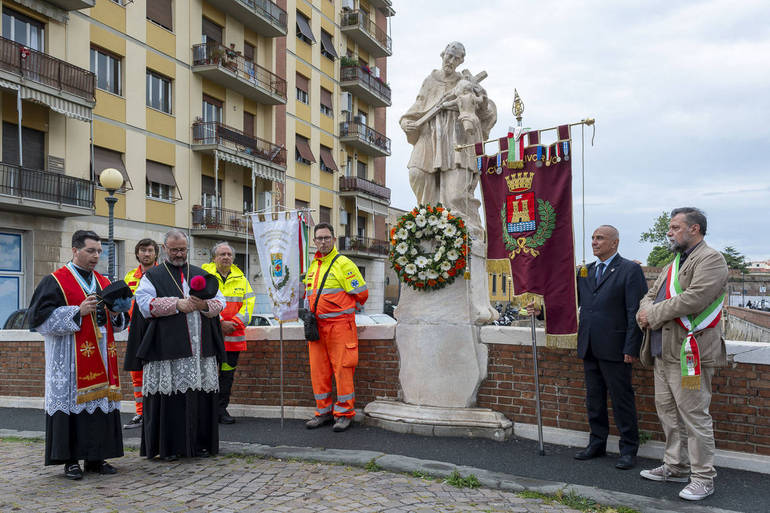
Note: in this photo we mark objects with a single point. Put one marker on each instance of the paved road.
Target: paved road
(230, 484)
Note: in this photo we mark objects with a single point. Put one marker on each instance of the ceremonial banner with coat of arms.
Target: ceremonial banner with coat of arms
(278, 246)
(528, 207)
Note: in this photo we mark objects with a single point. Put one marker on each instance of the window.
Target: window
(106, 67)
(211, 32)
(249, 52)
(302, 152)
(248, 123)
(303, 85)
(105, 158)
(248, 200)
(361, 227)
(361, 169)
(303, 29)
(158, 92)
(32, 146)
(160, 12)
(327, 160)
(349, 167)
(11, 275)
(301, 205)
(212, 109)
(103, 265)
(326, 103)
(24, 30)
(161, 183)
(327, 46)
(361, 118)
(208, 192)
(325, 214)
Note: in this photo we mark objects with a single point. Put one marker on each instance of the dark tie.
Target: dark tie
(599, 272)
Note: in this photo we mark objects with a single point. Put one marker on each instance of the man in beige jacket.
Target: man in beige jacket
(688, 292)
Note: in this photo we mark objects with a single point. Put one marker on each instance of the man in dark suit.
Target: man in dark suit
(608, 342)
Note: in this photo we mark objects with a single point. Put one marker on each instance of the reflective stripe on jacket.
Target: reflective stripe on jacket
(344, 292)
(132, 278)
(240, 304)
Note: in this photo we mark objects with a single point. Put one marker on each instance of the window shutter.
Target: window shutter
(160, 12)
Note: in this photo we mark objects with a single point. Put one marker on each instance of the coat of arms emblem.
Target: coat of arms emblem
(522, 230)
(278, 273)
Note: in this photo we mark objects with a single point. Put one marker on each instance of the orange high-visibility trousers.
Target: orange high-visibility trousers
(136, 378)
(335, 353)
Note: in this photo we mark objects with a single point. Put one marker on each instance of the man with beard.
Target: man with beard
(146, 252)
(683, 341)
(181, 347)
(82, 388)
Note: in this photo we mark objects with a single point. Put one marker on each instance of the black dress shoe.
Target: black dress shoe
(100, 467)
(171, 458)
(73, 471)
(626, 462)
(590, 452)
(225, 418)
(204, 453)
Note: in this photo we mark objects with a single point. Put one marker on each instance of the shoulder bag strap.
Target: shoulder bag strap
(323, 281)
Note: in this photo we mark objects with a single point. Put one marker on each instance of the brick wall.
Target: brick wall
(758, 317)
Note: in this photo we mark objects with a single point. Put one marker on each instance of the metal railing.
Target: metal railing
(365, 133)
(226, 58)
(354, 183)
(218, 218)
(214, 132)
(363, 245)
(268, 9)
(44, 69)
(363, 76)
(352, 18)
(37, 184)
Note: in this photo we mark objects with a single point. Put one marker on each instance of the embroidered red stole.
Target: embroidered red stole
(93, 380)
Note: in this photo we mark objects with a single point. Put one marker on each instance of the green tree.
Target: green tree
(660, 254)
(734, 259)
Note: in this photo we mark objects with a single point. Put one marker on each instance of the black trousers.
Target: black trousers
(226, 380)
(602, 376)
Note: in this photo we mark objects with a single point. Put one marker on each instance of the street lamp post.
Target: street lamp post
(112, 180)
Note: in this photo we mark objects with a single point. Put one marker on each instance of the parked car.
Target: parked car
(17, 320)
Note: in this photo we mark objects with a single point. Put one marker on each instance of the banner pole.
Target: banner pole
(280, 330)
(537, 386)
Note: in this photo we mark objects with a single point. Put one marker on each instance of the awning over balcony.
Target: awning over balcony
(55, 103)
(371, 207)
(328, 159)
(104, 158)
(259, 170)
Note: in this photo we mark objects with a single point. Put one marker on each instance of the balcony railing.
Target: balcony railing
(36, 184)
(363, 245)
(365, 78)
(217, 218)
(226, 58)
(366, 24)
(267, 9)
(44, 69)
(214, 132)
(366, 135)
(353, 183)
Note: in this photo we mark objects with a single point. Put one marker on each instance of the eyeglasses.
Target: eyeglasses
(177, 251)
(323, 239)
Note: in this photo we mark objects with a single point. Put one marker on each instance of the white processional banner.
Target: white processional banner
(278, 249)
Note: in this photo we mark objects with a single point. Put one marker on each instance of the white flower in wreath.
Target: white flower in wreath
(420, 220)
(458, 243)
(402, 261)
(450, 230)
(421, 261)
(445, 275)
(452, 254)
(409, 225)
(402, 248)
(419, 233)
(413, 251)
(410, 269)
(423, 211)
(441, 226)
(432, 220)
(421, 275)
(402, 234)
(432, 275)
(437, 257)
(445, 214)
(445, 266)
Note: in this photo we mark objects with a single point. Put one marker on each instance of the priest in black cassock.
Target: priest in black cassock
(180, 347)
(82, 388)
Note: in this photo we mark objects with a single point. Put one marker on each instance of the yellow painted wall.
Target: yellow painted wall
(214, 90)
(304, 50)
(214, 14)
(107, 40)
(161, 39)
(302, 192)
(159, 212)
(327, 180)
(161, 64)
(101, 205)
(109, 136)
(326, 198)
(327, 8)
(328, 124)
(33, 115)
(161, 123)
(161, 151)
(302, 171)
(110, 106)
(110, 14)
(303, 130)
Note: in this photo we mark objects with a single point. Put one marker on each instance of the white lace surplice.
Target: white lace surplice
(60, 376)
(181, 374)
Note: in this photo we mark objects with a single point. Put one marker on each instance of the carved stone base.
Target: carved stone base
(438, 421)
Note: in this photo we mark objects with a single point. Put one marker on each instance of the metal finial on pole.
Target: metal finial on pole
(518, 106)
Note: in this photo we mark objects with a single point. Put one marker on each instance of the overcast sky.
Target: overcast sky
(680, 92)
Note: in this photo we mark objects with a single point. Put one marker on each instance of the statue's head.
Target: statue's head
(452, 56)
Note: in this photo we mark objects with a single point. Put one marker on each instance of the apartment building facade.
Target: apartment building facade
(190, 101)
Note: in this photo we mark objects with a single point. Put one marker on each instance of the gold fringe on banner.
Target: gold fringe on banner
(568, 341)
(92, 396)
(691, 382)
(499, 266)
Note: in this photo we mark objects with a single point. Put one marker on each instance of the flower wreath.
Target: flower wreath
(423, 270)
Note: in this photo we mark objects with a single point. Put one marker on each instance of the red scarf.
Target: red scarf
(93, 380)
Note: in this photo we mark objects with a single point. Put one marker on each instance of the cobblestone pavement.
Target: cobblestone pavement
(232, 484)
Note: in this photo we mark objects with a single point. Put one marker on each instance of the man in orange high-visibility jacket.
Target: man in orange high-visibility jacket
(234, 318)
(336, 351)
(146, 252)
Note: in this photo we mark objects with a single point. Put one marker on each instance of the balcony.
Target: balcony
(232, 145)
(73, 5)
(230, 69)
(361, 83)
(262, 16)
(385, 5)
(363, 247)
(353, 184)
(43, 192)
(219, 223)
(364, 139)
(44, 79)
(362, 29)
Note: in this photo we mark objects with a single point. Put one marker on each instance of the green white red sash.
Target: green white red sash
(689, 355)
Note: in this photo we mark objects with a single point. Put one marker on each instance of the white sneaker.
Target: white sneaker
(697, 490)
(663, 474)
